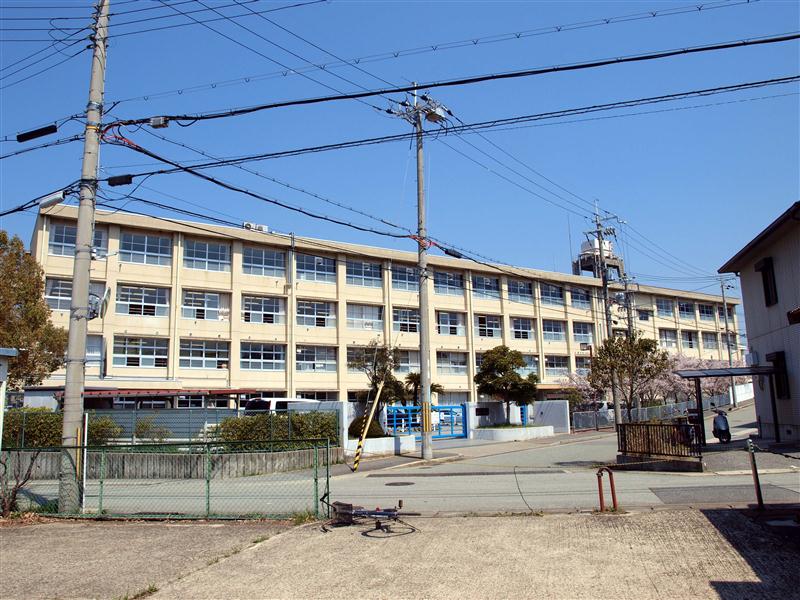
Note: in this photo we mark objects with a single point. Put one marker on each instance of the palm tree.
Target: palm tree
(413, 384)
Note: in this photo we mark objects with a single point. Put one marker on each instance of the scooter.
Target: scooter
(722, 430)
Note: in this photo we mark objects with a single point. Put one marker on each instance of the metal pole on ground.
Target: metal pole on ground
(756, 482)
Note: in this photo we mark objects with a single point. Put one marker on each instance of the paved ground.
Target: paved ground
(67, 559)
(675, 554)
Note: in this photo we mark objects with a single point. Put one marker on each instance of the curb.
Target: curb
(433, 461)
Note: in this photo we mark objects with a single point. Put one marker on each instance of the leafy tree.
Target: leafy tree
(413, 384)
(25, 317)
(377, 362)
(634, 361)
(499, 376)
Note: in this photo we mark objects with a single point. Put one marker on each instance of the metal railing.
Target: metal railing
(253, 479)
(659, 439)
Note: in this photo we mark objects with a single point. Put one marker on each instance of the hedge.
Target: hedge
(41, 428)
(280, 426)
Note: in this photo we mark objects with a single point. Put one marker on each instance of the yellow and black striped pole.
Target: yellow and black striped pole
(367, 423)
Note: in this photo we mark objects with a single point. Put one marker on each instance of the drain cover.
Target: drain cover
(398, 483)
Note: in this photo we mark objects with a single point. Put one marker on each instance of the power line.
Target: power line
(59, 142)
(479, 78)
(434, 47)
(39, 72)
(234, 188)
(166, 27)
(482, 125)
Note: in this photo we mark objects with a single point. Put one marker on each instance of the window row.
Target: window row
(665, 307)
(668, 338)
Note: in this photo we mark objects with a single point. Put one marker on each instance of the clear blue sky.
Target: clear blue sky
(698, 182)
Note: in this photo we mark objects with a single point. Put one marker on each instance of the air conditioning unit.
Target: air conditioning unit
(751, 359)
(256, 227)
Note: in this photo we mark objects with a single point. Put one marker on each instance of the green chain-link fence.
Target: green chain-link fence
(247, 479)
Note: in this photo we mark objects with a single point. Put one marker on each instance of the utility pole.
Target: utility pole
(599, 232)
(69, 491)
(424, 317)
(728, 341)
(628, 305)
(414, 113)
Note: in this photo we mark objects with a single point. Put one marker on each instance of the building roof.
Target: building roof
(374, 252)
(726, 372)
(8, 352)
(792, 215)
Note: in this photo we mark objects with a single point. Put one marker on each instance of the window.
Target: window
(208, 256)
(448, 284)
(451, 363)
(142, 301)
(316, 358)
(316, 268)
(520, 291)
(365, 274)
(58, 292)
(263, 309)
(357, 355)
(522, 328)
(710, 341)
(552, 294)
(363, 316)
(254, 356)
(665, 307)
(94, 349)
(488, 326)
(668, 338)
(450, 323)
(140, 352)
(146, 249)
(556, 366)
(644, 315)
(318, 396)
(770, 286)
(706, 312)
(553, 331)
(195, 401)
(63, 235)
(531, 365)
(316, 314)
(478, 360)
(405, 278)
(686, 310)
(580, 298)
(688, 339)
(582, 332)
(407, 361)
(204, 354)
(263, 261)
(721, 311)
(405, 320)
(485, 287)
(205, 306)
(583, 364)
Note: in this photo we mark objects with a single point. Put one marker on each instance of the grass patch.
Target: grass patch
(148, 591)
(303, 517)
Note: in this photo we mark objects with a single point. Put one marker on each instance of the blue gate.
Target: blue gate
(447, 421)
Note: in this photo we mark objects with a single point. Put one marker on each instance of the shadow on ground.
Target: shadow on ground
(766, 553)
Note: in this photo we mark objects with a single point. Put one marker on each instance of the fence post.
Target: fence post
(22, 433)
(289, 418)
(328, 475)
(208, 480)
(316, 479)
(102, 476)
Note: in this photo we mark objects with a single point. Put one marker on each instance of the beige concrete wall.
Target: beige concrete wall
(234, 283)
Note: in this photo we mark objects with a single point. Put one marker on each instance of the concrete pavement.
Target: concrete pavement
(651, 555)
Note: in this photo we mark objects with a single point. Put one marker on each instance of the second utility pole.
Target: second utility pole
(728, 340)
(607, 309)
(424, 318)
(69, 490)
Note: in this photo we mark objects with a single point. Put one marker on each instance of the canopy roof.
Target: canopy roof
(729, 372)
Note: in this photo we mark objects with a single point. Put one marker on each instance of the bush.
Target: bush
(147, 430)
(279, 426)
(102, 430)
(357, 426)
(31, 428)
